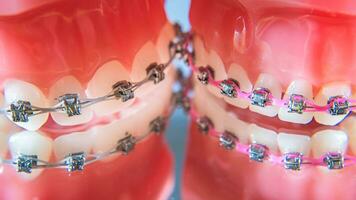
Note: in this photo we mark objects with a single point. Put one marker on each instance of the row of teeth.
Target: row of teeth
(320, 144)
(264, 80)
(96, 140)
(100, 85)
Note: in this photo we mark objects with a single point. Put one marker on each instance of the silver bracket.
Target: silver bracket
(293, 160)
(260, 97)
(338, 105)
(25, 163)
(257, 152)
(204, 74)
(123, 90)
(227, 140)
(296, 104)
(155, 72)
(157, 125)
(75, 161)
(126, 144)
(204, 124)
(334, 160)
(228, 87)
(21, 110)
(71, 104)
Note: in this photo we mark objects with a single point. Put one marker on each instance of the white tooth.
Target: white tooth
(68, 85)
(31, 143)
(5, 123)
(201, 53)
(216, 109)
(350, 127)
(263, 136)
(214, 60)
(238, 73)
(101, 84)
(329, 141)
(15, 90)
(105, 137)
(144, 57)
(300, 87)
(271, 83)
(3, 144)
(236, 126)
(332, 89)
(72, 143)
(165, 36)
(149, 107)
(294, 143)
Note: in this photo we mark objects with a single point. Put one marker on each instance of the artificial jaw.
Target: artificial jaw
(284, 48)
(84, 48)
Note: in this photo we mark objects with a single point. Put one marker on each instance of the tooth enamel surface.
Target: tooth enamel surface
(101, 84)
(329, 141)
(15, 90)
(269, 82)
(215, 62)
(350, 127)
(73, 143)
(31, 143)
(144, 57)
(332, 89)
(300, 87)
(5, 123)
(201, 54)
(263, 136)
(238, 73)
(236, 126)
(3, 144)
(288, 143)
(69, 85)
(105, 137)
(210, 106)
(149, 107)
(165, 36)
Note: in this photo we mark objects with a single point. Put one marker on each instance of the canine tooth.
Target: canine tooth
(216, 109)
(214, 60)
(72, 143)
(144, 57)
(31, 143)
(329, 141)
(263, 136)
(350, 127)
(271, 83)
(201, 53)
(238, 73)
(165, 36)
(300, 87)
(101, 84)
(294, 143)
(3, 143)
(236, 126)
(15, 90)
(69, 85)
(332, 89)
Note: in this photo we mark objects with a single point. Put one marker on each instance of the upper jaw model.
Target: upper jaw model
(278, 79)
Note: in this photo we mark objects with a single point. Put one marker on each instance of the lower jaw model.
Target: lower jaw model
(87, 88)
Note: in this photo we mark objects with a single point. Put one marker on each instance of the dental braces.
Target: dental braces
(262, 97)
(260, 152)
(71, 104)
(78, 160)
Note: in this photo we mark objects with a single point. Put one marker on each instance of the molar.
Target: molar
(15, 90)
(289, 143)
(238, 73)
(271, 83)
(236, 126)
(31, 143)
(329, 90)
(69, 85)
(329, 141)
(300, 87)
(73, 143)
(214, 60)
(263, 136)
(101, 84)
